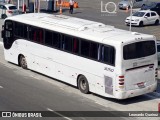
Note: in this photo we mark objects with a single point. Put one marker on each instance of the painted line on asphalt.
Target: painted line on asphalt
(59, 114)
(1, 87)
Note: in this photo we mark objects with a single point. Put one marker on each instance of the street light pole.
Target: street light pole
(39, 5)
(131, 5)
(18, 5)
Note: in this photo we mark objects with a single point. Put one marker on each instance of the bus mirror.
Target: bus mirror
(2, 34)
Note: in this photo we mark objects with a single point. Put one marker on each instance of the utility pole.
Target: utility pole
(39, 5)
(131, 5)
(18, 5)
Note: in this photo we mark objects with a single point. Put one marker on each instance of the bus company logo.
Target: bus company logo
(6, 114)
(108, 8)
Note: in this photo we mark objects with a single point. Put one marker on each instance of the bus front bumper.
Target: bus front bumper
(136, 92)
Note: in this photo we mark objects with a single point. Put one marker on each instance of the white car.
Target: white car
(143, 17)
(7, 10)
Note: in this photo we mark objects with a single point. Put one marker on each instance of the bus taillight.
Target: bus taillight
(121, 81)
(121, 76)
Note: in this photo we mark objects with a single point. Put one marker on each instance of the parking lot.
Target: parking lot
(92, 11)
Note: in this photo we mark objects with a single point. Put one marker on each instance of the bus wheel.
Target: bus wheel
(83, 84)
(23, 62)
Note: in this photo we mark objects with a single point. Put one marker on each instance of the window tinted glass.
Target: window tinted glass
(48, 38)
(12, 7)
(158, 48)
(148, 15)
(93, 51)
(153, 14)
(138, 50)
(75, 45)
(25, 32)
(36, 34)
(20, 30)
(8, 38)
(138, 14)
(9, 25)
(108, 55)
(138, 0)
(3, 7)
(56, 40)
(85, 48)
(67, 43)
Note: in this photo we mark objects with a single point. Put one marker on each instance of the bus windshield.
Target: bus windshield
(138, 50)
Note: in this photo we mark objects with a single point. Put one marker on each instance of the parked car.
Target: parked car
(7, 10)
(143, 17)
(152, 6)
(158, 51)
(124, 4)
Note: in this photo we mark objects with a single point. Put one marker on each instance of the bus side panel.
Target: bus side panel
(11, 54)
(65, 66)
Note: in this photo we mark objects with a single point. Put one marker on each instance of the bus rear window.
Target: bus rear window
(139, 49)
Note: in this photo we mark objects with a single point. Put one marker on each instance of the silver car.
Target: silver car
(124, 4)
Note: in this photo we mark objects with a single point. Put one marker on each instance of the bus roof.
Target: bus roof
(86, 29)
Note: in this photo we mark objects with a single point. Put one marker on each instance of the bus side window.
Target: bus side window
(75, 45)
(67, 43)
(25, 32)
(108, 55)
(41, 36)
(56, 40)
(85, 48)
(93, 51)
(34, 36)
(99, 52)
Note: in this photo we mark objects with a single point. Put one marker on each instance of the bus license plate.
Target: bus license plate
(141, 85)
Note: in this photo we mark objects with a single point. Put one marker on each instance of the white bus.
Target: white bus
(94, 57)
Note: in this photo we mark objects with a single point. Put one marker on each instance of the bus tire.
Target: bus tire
(23, 62)
(83, 84)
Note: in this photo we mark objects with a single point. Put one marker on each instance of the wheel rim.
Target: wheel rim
(83, 84)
